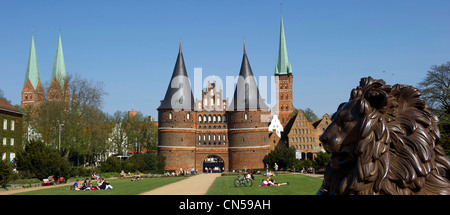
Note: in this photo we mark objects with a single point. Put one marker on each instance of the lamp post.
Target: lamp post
(60, 125)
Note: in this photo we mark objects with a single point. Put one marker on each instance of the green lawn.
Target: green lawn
(120, 187)
(298, 185)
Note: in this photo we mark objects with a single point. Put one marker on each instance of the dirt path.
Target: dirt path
(194, 185)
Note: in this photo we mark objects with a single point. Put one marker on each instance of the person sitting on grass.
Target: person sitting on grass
(75, 185)
(95, 176)
(51, 180)
(104, 185)
(87, 185)
(136, 178)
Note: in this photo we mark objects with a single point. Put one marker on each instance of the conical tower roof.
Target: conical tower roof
(283, 66)
(179, 94)
(32, 72)
(59, 67)
(246, 93)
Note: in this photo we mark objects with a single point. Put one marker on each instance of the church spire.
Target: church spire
(32, 72)
(283, 66)
(59, 68)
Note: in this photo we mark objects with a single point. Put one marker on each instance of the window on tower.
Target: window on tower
(170, 115)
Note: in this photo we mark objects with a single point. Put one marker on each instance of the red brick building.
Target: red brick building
(208, 133)
(33, 92)
(284, 81)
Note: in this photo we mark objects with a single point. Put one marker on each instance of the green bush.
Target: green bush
(40, 161)
(112, 164)
(139, 162)
(6, 173)
(81, 171)
(284, 157)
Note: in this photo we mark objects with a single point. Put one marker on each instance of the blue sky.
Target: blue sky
(131, 46)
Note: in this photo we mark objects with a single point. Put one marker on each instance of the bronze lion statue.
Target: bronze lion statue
(384, 141)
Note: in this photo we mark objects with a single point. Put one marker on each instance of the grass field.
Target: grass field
(120, 187)
(298, 185)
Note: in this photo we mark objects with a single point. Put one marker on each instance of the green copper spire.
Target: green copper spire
(283, 66)
(32, 67)
(59, 68)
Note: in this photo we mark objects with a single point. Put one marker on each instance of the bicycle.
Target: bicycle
(242, 180)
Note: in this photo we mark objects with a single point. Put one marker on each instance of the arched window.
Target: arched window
(200, 118)
(219, 118)
(188, 116)
(214, 118)
(209, 118)
(204, 119)
(170, 115)
(245, 116)
(224, 118)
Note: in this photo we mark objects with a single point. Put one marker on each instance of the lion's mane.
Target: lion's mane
(397, 151)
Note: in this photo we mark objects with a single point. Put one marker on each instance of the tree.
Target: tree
(6, 172)
(142, 133)
(283, 156)
(2, 96)
(435, 90)
(41, 161)
(310, 115)
(77, 116)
